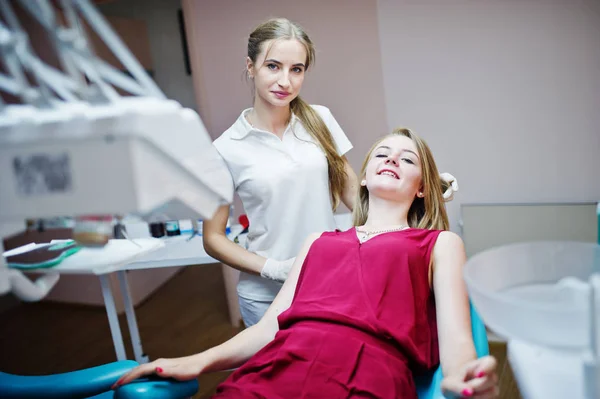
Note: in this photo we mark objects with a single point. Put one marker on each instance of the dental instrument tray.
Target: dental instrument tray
(37, 256)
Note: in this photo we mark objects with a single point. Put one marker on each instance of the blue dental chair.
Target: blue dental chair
(95, 382)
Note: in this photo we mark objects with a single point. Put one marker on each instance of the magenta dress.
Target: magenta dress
(362, 321)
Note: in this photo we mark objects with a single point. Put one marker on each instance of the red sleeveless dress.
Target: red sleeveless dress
(362, 321)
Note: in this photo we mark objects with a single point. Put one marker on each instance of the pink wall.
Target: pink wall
(507, 93)
(346, 78)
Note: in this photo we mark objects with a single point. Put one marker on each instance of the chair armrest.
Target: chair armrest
(80, 383)
(96, 382)
(157, 388)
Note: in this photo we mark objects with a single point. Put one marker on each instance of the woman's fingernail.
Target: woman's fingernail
(481, 374)
(467, 392)
(159, 370)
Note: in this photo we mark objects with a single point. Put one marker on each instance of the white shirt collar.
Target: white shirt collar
(243, 127)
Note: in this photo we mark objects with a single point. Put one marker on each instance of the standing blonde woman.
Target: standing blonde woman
(287, 163)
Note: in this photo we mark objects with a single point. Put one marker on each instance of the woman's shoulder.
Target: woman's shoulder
(236, 131)
(448, 239)
(425, 236)
(322, 110)
(445, 235)
(437, 240)
(420, 231)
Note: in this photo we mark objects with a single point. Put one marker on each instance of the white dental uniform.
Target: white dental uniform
(284, 186)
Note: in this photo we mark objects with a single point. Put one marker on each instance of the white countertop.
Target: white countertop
(176, 251)
(148, 254)
(121, 254)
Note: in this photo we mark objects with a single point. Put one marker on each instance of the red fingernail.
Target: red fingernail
(481, 374)
(159, 370)
(467, 392)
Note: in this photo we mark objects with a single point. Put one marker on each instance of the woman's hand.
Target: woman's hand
(477, 379)
(182, 369)
(277, 270)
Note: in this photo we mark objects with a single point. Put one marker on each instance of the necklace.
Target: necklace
(365, 235)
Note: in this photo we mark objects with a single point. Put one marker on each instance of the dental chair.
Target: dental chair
(96, 382)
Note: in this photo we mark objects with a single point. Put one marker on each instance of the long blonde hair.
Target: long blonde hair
(283, 29)
(428, 212)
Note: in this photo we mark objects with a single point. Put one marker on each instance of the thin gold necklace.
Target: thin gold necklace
(365, 235)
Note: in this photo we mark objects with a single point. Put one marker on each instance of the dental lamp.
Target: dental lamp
(76, 147)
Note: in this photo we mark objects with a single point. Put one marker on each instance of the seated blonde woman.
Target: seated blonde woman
(366, 309)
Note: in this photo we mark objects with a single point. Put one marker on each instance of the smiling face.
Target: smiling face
(393, 171)
(278, 72)
(400, 167)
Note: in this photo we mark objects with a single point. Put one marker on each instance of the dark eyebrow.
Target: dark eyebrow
(385, 147)
(279, 63)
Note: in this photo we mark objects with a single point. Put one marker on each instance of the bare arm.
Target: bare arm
(460, 366)
(350, 185)
(244, 345)
(452, 303)
(223, 249)
(238, 349)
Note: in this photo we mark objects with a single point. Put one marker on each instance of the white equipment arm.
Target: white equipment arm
(75, 146)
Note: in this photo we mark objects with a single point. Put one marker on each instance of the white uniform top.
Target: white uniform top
(284, 186)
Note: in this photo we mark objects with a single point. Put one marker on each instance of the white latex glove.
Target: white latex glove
(453, 186)
(277, 270)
